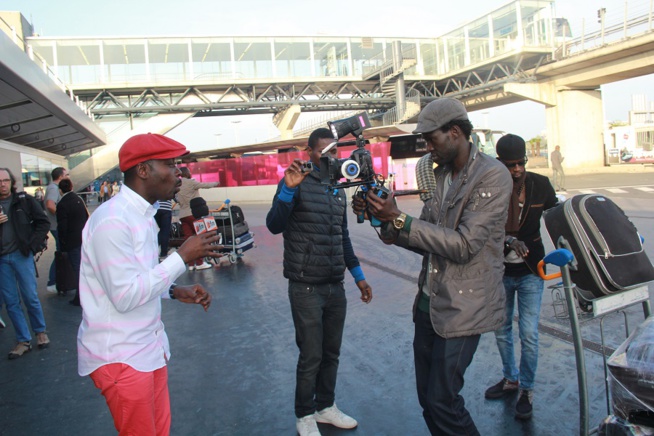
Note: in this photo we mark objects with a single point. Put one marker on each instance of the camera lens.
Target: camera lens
(350, 169)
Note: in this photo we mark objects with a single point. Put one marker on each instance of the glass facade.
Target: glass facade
(269, 169)
(36, 171)
(524, 26)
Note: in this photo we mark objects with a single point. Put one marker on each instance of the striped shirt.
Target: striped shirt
(121, 285)
(165, 205)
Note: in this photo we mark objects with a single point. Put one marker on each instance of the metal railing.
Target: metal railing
(613, 27)
(400, 114)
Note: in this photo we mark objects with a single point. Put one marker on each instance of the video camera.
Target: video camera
(357, 169)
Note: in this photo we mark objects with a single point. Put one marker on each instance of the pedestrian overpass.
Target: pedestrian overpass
(520, 51)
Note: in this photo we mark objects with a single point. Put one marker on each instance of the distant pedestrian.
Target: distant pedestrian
(52, 197)
(71, 218)
(39, 195)
(558, 176)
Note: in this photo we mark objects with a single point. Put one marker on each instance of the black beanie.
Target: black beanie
(511, 147)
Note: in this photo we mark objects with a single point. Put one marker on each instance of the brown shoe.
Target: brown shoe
(42, 340)
(20, 349)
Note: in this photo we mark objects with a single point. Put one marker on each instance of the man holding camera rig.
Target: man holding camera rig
(460, 232)
(317, 249)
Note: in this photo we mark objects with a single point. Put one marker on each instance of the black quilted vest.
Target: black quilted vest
(313, 239)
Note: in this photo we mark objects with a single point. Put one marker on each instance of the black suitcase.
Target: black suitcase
(606, 245)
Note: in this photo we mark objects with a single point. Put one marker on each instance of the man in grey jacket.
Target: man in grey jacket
(460, 232)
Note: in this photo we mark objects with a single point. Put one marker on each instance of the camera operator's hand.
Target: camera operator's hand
(359, 205)
(366, 291)
(193, 294)
(199, 246)
(384, 209)
(294, 175)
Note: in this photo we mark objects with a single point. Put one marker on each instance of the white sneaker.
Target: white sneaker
(203, 265)
(191, 267)
(306, 426)
(51, 289)
(2, 323)
(335, 417)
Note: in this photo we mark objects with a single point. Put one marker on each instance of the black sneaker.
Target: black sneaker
(504, 387)
(524, 406)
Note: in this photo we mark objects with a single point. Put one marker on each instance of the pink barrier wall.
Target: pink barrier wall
(269, 169)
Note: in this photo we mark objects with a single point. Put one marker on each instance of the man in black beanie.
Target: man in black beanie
(523, 249)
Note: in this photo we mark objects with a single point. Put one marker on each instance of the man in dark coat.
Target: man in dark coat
(532, 194)
(71, 218)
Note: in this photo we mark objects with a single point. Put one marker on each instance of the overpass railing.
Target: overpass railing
(612, 28)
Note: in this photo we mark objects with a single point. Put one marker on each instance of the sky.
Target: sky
(309, 18)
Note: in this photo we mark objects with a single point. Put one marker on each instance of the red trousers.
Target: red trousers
(138, 401)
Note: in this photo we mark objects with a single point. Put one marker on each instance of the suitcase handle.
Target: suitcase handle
(541, 272)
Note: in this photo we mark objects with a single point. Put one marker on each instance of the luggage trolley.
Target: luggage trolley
(600, 307)
(236, 235)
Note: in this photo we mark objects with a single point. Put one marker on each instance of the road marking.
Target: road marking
(645, 189)
(616, 190)
(586, 191)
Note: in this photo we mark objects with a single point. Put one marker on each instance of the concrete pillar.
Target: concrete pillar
(575, 123)
(574, 120)
(285, 120)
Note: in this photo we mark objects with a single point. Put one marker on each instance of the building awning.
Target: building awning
(35, 112)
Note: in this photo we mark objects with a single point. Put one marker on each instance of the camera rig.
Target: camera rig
(357, 169)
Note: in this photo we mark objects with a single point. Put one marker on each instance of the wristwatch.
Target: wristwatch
(509, 241)
(171, 291)
(398, 222)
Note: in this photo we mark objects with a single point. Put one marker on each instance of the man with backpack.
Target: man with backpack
(23, 231)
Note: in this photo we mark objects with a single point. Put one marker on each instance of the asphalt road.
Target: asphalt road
(232, 370)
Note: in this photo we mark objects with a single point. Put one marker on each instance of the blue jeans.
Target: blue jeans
(319, 317)
(52, 276)
(529, 290)
(440, 369)
(17, 272)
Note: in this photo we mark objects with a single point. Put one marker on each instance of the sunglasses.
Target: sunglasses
(521, 163)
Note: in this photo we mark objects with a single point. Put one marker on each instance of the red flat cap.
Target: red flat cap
(148, 146)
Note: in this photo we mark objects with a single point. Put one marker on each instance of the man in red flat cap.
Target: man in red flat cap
(121, 341)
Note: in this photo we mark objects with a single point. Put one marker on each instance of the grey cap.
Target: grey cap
(440, 112)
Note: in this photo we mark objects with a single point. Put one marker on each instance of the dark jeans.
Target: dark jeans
(440, 366)
(75, 258)
(319, 317)
(52, 276)
(164, 219)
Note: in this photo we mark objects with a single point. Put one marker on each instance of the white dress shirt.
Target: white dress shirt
(121, 285)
